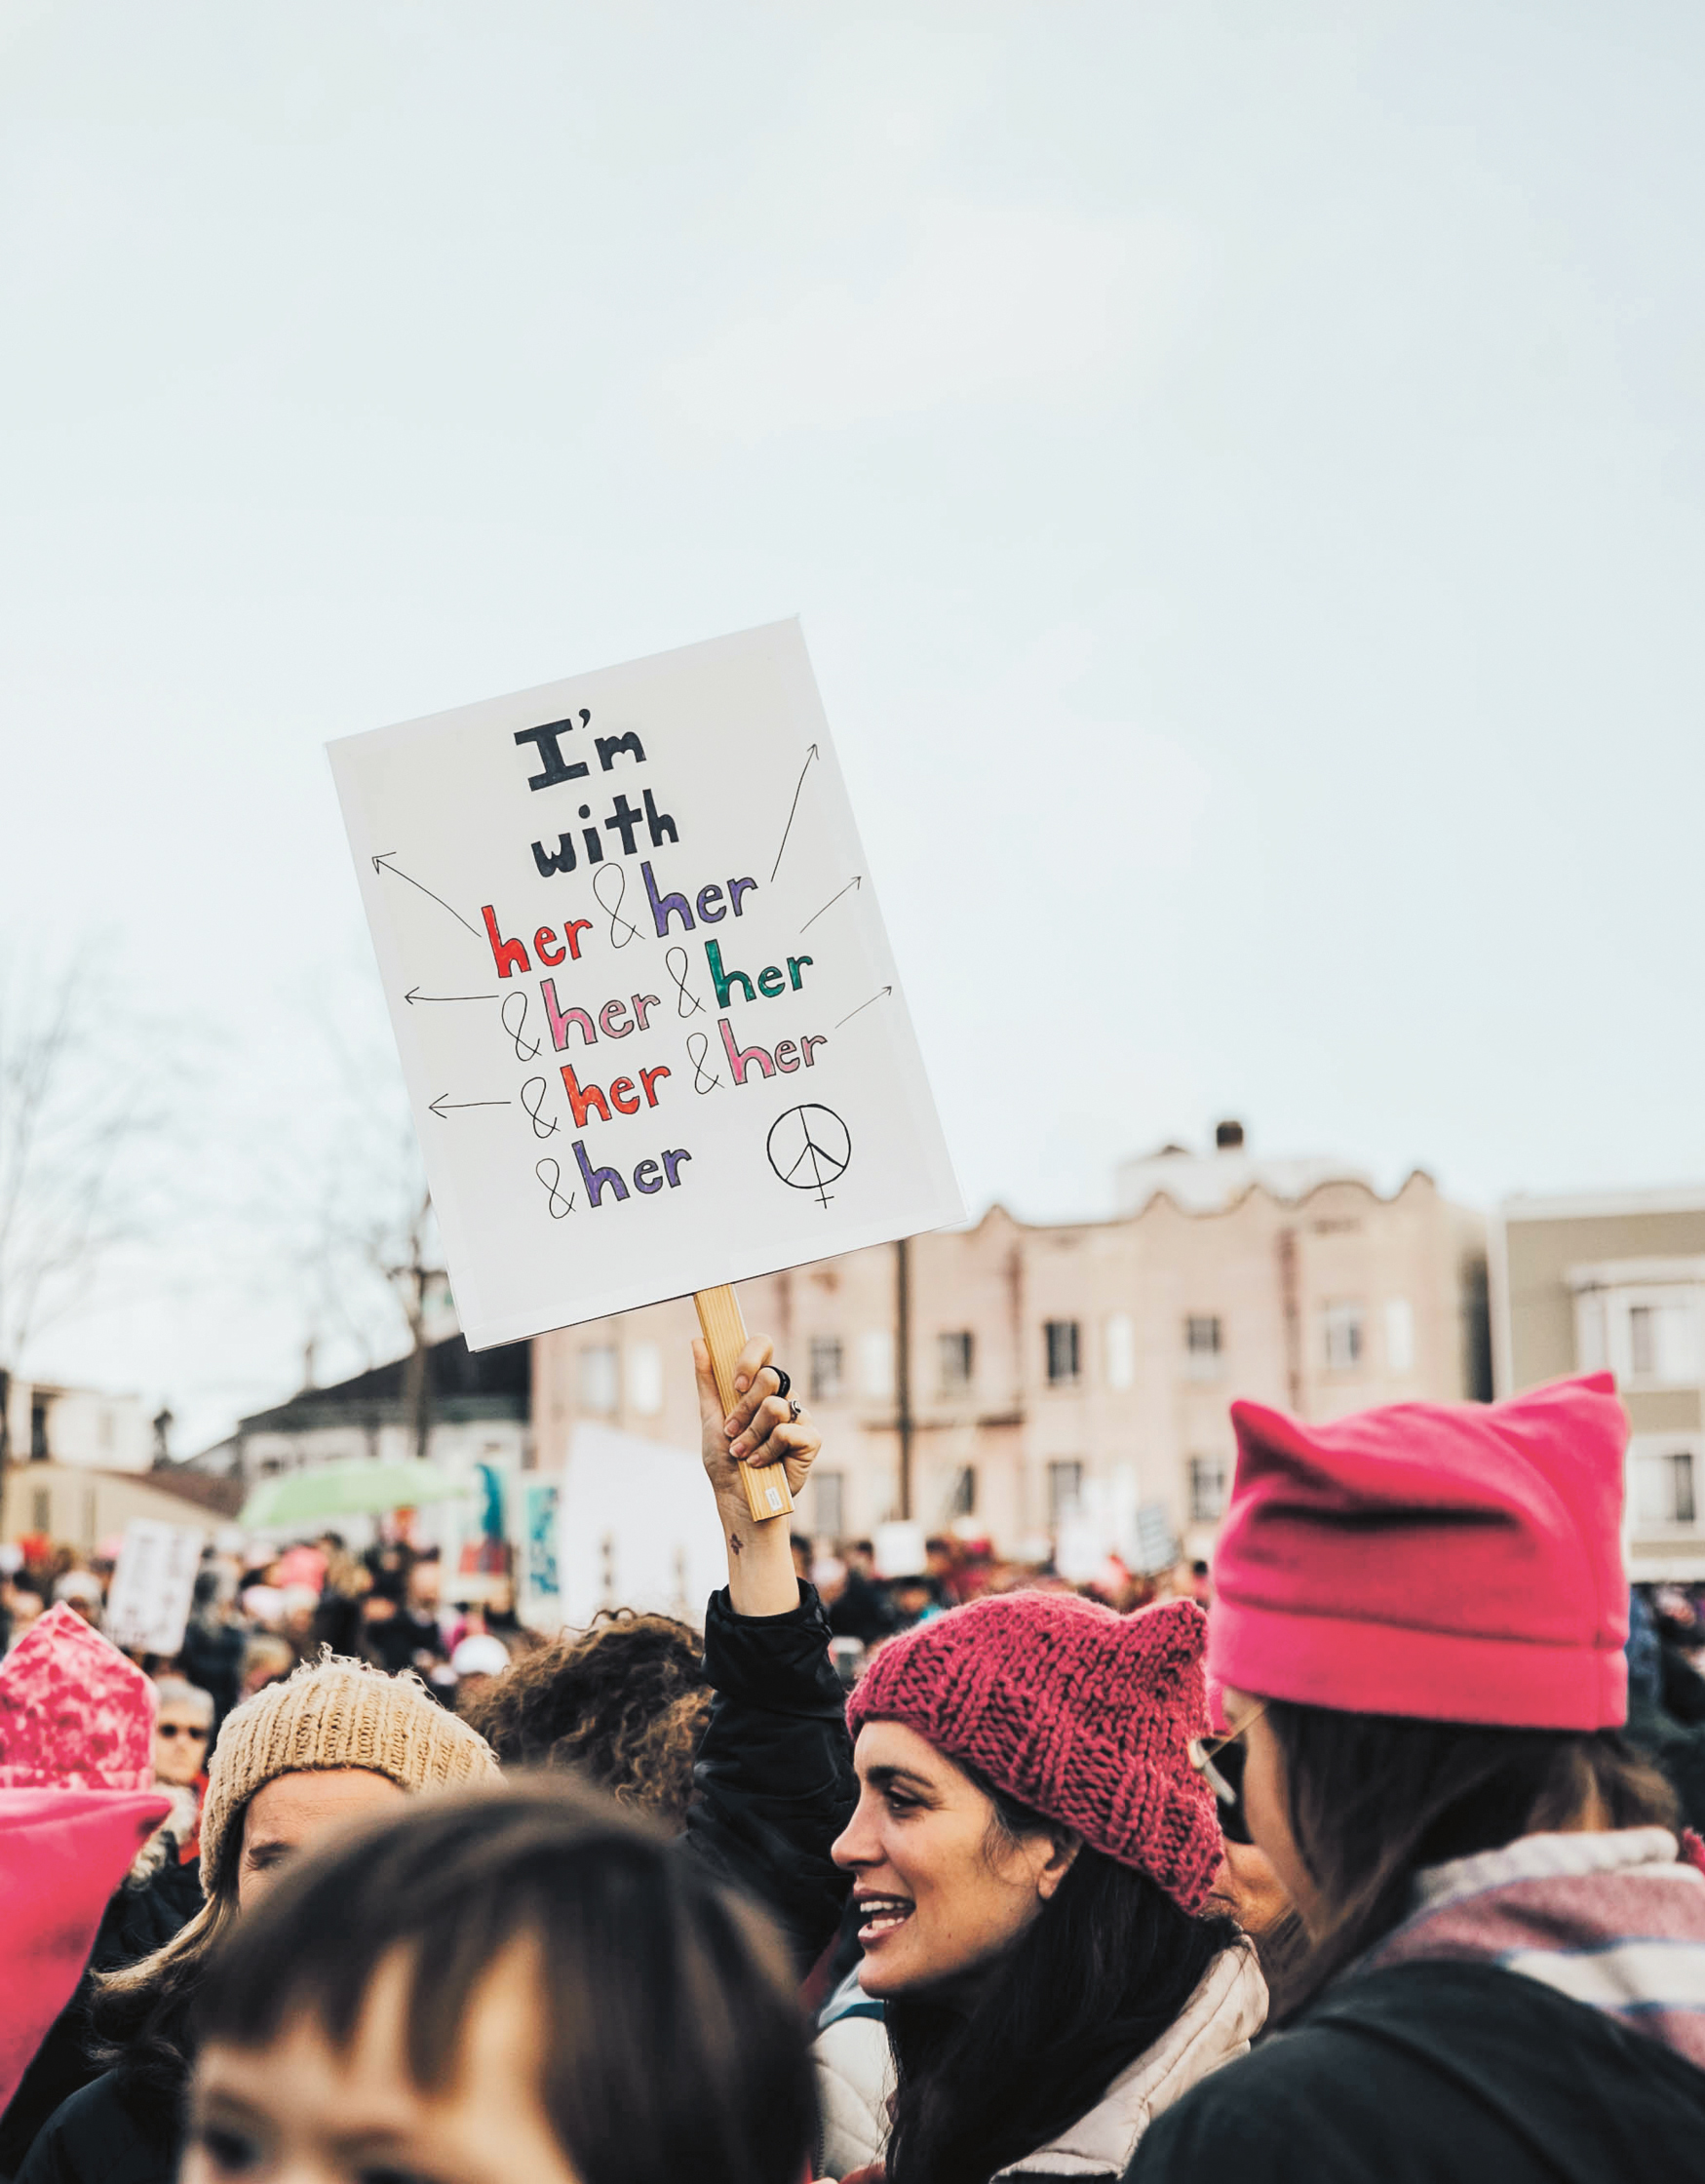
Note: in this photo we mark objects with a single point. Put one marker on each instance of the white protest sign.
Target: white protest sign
(638, 1529)
(153, 1586)
(650, 1026)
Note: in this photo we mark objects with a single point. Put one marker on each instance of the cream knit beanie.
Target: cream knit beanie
(335, 1712)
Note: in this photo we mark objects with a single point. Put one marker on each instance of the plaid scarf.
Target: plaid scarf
(1616, 1920)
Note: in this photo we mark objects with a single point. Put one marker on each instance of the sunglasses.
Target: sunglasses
(1219, 1764)
(180, 1728)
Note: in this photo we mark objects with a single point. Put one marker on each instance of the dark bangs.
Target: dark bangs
(637, 1954)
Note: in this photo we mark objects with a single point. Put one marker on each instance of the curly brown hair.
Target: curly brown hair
(624, 1704)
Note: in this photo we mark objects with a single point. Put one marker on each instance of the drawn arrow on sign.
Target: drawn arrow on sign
(863, 1005)
(415, 994)
(443, 1106)
(383, 864)
(793, 808)
(857, 880)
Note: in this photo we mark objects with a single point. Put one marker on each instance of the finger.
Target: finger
(765, 1386)
(757, 1353)
(710, 1402)
(788, 1444)
(769, 1414)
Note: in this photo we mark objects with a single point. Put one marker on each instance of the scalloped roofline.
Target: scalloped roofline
(1417, 1174)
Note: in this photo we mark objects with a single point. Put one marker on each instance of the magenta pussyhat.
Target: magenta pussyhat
(1451, 1562)
(1084, 1715)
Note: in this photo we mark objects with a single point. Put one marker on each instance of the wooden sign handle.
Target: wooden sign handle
(724, 1333)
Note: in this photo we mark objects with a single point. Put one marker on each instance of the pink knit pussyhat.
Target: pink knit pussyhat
(1084, 1715)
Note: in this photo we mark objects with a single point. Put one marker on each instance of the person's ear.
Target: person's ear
(1063, 1846)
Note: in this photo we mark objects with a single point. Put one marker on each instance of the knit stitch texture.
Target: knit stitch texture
(1084, 1715)
(333, 1714)
(75, 1713)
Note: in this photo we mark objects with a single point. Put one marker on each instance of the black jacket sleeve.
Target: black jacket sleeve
(774, 1784)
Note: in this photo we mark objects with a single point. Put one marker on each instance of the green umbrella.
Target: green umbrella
(344, 1490)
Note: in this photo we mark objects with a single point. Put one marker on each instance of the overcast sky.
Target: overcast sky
(1240, 470)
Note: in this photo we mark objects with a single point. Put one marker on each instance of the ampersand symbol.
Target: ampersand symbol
(685, 1004)
(526, 1050)
(541, 1128)
(698, 1062)
(560, 1207)
(621, 932)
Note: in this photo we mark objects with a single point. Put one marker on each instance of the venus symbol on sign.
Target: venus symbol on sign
(809, 1147)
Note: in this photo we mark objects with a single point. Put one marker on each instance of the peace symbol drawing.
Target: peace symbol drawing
(810, 1148)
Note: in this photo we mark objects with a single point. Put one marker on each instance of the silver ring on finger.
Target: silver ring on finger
(792, 1414)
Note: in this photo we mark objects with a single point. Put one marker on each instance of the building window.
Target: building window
(876, 1362)
(1204, 1344)
(1663, 1349)
(1207, 1489)
(953, 1354)
(41, 1510)
(1344, 1340)
(1648, 1336)
(646, 1377)
(1119, 1337)
(1065, 1484)
(1062, 1350)
(962, 1494)
(1399, 1335)
(829, 1503)
(1664, 1488)
(826, 1368)
(38, 1433)
(599, 1388)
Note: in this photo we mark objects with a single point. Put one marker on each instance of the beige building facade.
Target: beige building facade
(1585, 1283)
(1012, 1378)
(78, 1505)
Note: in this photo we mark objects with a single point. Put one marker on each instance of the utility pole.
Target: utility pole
(903, 1365)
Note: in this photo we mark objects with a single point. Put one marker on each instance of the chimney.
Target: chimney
(1229, 1137)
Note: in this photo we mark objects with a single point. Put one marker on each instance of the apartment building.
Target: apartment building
(1617, 1280)
(1010, 1376)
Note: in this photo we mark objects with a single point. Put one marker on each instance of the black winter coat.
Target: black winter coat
(774, 1782)
(1439, 2073)
(106, 2135)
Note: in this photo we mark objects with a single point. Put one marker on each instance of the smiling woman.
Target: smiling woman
(1032, 1856)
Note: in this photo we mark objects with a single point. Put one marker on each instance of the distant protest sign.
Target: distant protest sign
(648, 1018)
(153, 1586)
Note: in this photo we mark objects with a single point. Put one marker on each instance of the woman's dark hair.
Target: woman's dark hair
(626, 1703)
(1093, 1979)
(673, 2042)
(1372, 1798)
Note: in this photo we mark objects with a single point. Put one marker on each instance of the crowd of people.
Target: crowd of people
(1368, 1854)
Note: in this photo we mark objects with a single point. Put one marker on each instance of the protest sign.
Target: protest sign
(651, 1028)
(153, 1586)
(541, 1593)
(637, 1529)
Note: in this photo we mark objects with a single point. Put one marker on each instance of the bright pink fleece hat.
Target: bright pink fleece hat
(63, 1852)
(1084, 1715)
(1451, 1562)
